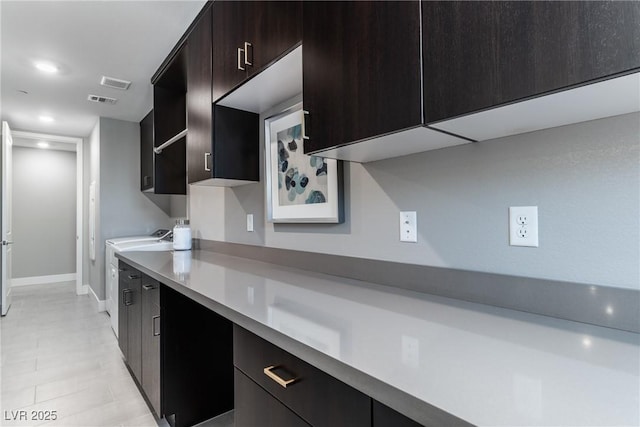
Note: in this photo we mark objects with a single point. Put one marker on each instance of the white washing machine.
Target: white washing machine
(158, 241)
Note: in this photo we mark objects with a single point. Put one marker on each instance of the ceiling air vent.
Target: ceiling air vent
(115, 83)
(101, 99)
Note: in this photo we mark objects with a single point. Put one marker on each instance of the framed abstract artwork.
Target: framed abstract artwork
(299, 188)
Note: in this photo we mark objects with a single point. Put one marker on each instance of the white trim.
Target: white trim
(84, 290)
(79, 142)
(38, 280)
(97, 303)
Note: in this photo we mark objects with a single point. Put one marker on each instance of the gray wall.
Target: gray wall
(584, 178)
(122, 208)
(44, 212)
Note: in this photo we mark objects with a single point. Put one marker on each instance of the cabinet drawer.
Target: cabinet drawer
(257, 408)
(128, 274)
(315, 396)
(151, 290)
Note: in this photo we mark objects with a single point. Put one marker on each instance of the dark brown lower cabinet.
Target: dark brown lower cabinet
(151, 342)
(129, 318)
(316, 397)
(257, 408)
(139, 331)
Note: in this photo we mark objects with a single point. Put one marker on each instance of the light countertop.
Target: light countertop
(423, 355)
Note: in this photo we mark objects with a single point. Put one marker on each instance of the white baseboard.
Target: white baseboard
(98, 304)
(38, 280)
(84, 290)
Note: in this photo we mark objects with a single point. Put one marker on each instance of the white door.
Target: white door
(6, 237)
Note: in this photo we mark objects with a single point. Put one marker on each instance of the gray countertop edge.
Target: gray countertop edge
(398, 400)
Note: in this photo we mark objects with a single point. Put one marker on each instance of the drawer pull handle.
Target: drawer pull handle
(247, 45)
(133, 277)
(240, 54)
(284, 383)
(207, 156)
(148, 287)
(155, 328)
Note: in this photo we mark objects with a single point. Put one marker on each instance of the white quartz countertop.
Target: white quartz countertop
(484, 365)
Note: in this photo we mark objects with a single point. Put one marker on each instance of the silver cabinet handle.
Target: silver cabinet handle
(148, 287)
(304, 124)
(247, 45)
(155, 320)
(133, 277)
(6, 243)
(126, 301)
(206, 163)
(240, 55)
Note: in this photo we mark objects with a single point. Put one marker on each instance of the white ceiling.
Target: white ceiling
(86, 39)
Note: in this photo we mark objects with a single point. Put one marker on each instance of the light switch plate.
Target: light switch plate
(249, 222)
(408, 226)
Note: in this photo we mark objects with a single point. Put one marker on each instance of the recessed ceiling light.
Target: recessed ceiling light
(43, 144)
(46, 119)
(46, 67)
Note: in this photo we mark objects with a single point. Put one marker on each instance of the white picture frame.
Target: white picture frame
(289, 198)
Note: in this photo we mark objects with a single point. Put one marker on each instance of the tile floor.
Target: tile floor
(58, 354)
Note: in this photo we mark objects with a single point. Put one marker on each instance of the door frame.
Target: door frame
(81, 289)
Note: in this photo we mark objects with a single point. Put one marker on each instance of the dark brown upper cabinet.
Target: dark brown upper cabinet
(170, 121)
(199, 120)
(248, 36)
(479, 55)
(146, 152)
(361, 70)
(227, 154)
(494, 69)
(362, 79)
(485, 69)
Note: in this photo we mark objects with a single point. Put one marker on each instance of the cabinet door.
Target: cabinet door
(273, 27)
(134, 326)
(481, 54)
(383, 416)
(254, 407)
(123, 298)
(263, 30)
(361, 70)
(146, 152)
(229, 34)
(151, 342)
(199, 120)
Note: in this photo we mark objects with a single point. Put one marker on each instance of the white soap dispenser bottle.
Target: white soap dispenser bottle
(182, 235)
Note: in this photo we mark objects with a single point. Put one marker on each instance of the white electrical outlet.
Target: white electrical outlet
(410, 351)
(249, 222)
(408, 226)
(523, 226)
